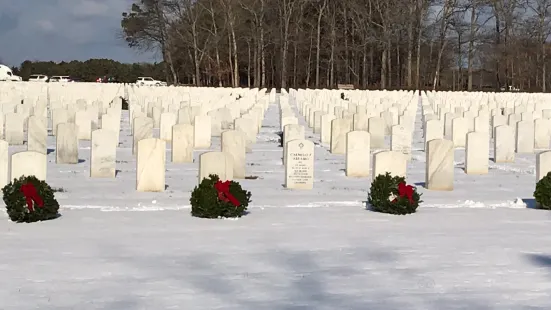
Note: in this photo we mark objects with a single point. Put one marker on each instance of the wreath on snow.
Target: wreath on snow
(216, 199)
(29, 199)
(390, 194)
(542, 193)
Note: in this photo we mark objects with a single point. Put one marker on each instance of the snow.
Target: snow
(277, 258)
(482, 246)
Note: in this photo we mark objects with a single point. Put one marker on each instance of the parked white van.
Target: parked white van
(38, 78)
(7, 75)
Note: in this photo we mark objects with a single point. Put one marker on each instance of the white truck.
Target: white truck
(7, 75)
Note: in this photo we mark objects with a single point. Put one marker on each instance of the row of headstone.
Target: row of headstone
(175, 125)
(515, 124)
(351, 128)
(526, 136)
(237, 135)
(37, 126)
(102, 157)
(440, 156)
(357, 130)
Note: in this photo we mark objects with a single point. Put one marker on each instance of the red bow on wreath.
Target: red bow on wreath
(224, 194)
(31, 194)
(405, 191)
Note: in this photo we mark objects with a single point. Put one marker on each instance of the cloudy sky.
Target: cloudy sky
(63, 30)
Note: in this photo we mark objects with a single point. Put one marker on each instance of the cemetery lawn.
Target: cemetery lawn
(480, 246)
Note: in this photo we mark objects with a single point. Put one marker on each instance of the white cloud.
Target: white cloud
(45, 25)
(89, 8)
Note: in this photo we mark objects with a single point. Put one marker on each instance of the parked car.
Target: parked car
(38, 78)
(107, 79)
(510, 88)
(60, 79)
(7, 75)
(148, 81)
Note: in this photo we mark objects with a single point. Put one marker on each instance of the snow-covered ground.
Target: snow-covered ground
(478, 247)
(280, 258)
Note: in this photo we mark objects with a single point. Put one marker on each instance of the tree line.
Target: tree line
(91, 70)
(386, 44)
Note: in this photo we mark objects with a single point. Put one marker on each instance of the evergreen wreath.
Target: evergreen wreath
(542, 194)
(29, 199)
(216, 199)
(392, 195)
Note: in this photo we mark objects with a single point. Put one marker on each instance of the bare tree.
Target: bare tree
(474, 9)
(215, 32)
(286, 10)
(441, 44)
(188, 30)
(421, 12)
(445, 18)
(322, 5)
(146, 27)
(541, 20)
(256, 9)
(228, 6)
